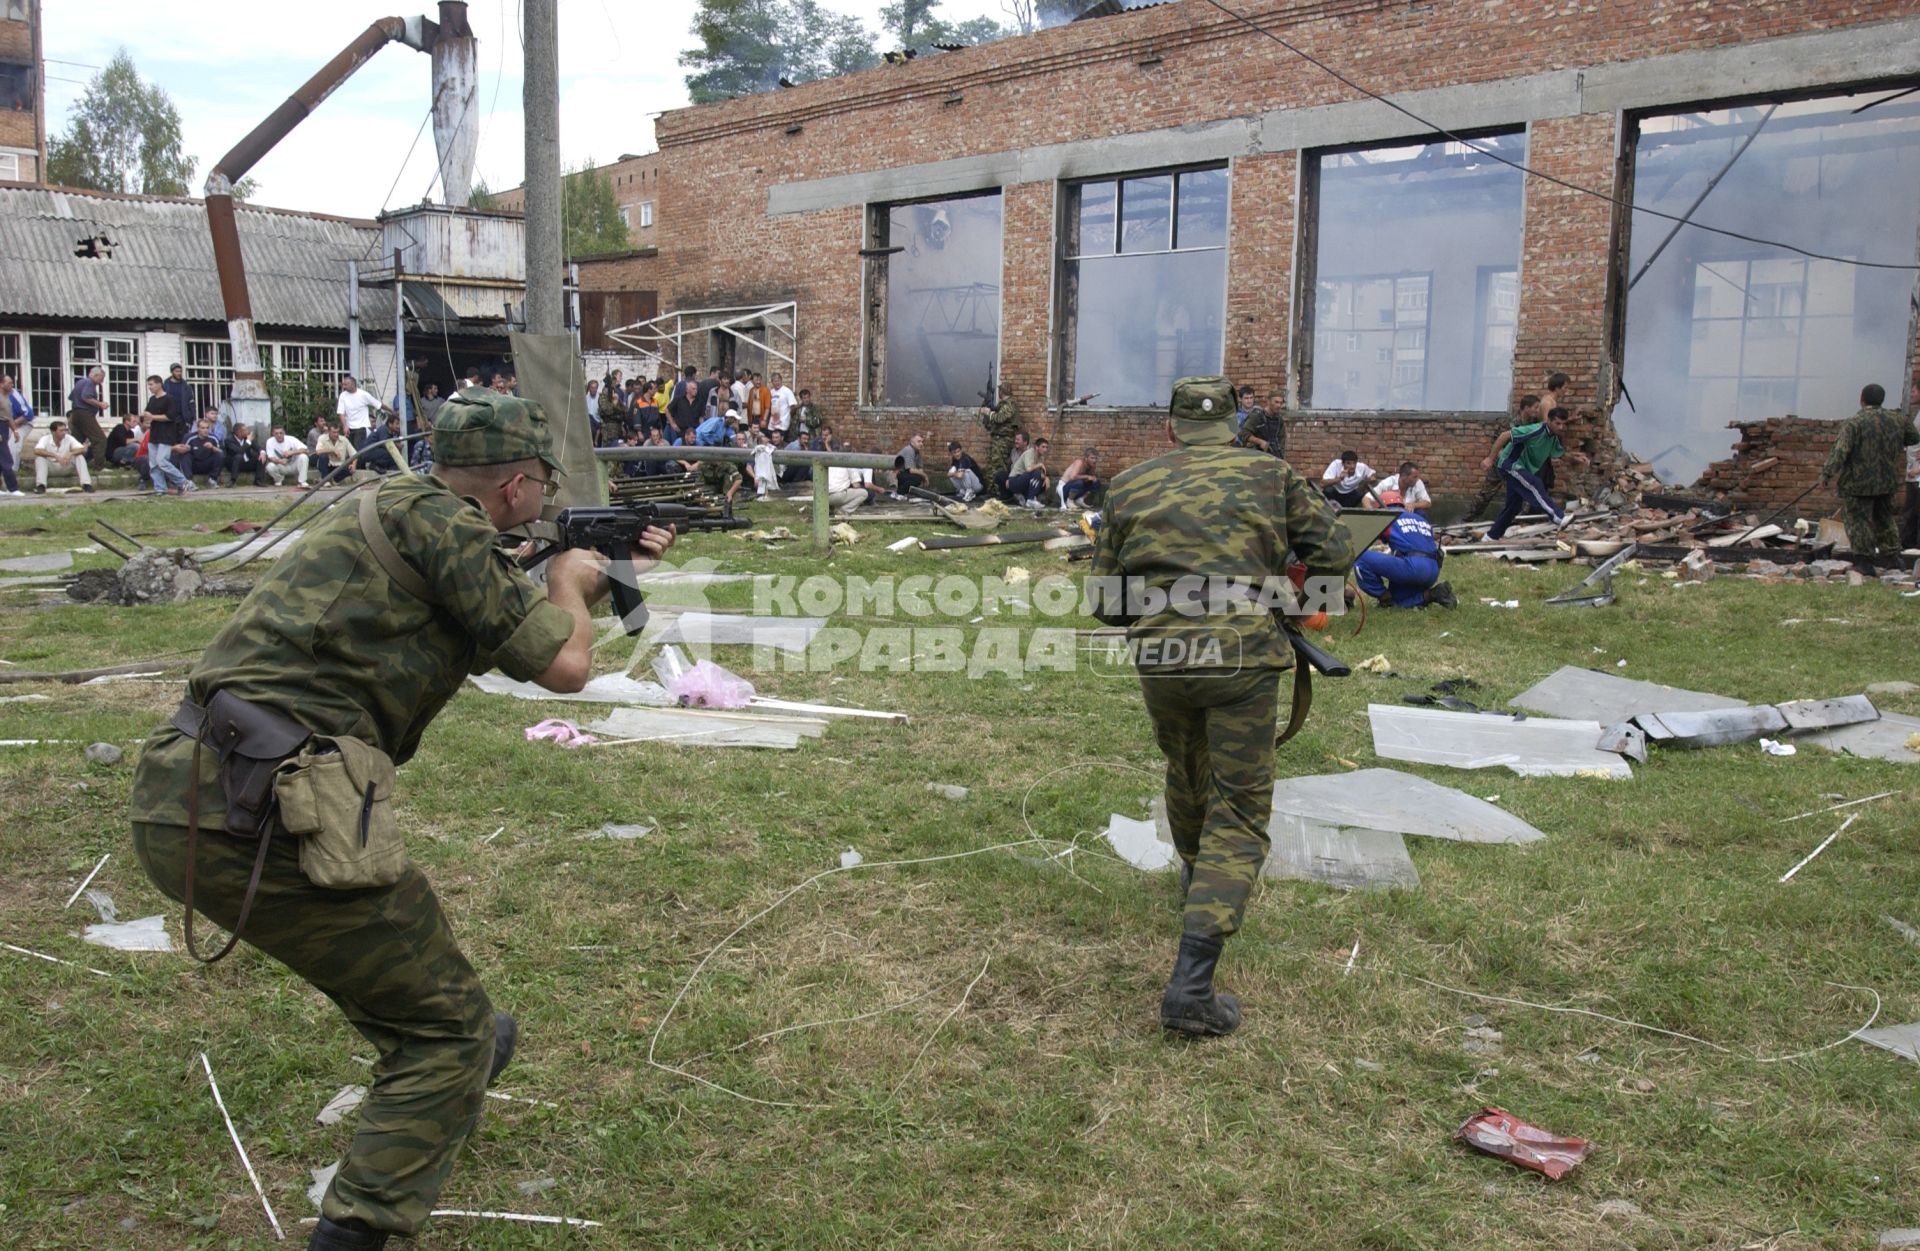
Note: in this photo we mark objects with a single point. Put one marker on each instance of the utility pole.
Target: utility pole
(540, 101)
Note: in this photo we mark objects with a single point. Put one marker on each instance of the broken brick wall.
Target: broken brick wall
(1774, 461)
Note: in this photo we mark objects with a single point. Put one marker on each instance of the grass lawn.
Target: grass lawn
(985, 1066)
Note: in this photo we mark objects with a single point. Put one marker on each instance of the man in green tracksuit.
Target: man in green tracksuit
(364, 631)
(1178, 534)
(1866, 464)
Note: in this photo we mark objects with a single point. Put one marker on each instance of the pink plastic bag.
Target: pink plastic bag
(1497, 1131)
(565, 733)
(707, 685)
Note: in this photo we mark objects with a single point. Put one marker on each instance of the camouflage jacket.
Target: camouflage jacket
(327, 639)
(1002, 421)
(1270, 426)
(1866, 458)
(1211, 513)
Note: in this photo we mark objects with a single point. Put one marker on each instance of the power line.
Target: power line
(1528, 170)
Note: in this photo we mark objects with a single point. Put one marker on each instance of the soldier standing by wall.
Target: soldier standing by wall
(1001, 421)
(329, 673)
(1210, 673)
(1866, 465)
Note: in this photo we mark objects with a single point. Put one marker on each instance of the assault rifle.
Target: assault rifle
(990, 397)
(612, 532)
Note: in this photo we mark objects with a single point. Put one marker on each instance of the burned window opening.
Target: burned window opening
(1143, 284)
(933, 301)
(1716, 330)
(1411, 281)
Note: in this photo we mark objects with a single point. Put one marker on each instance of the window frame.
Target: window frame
(646, 214)
(877, 252)
(1306, 276)
(1067, 259)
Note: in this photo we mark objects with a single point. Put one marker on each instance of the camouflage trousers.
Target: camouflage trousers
(388, 958)
(1217, 732)
(999, 460)
(1870, 526)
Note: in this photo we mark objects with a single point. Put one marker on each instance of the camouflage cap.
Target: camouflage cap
(1202, 410)
(477, 427)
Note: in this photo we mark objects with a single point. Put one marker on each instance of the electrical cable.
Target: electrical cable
(1528, 170)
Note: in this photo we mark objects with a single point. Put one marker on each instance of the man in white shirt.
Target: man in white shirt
(1345, 480)
(783, 402)
(1407, 485)
(356, 409)
(286, 454)
(848, 489)
(58, 451)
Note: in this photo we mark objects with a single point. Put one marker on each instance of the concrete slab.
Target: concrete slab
(1902, 1040)
(46, 562)
(1828, 714)
(1389, 800)
(1715, 728)
(1535, 747)
(705, 729)
(1588, 694)
(1353, 859)
(1885, 739)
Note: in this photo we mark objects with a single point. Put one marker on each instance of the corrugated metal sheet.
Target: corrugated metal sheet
(162, 263)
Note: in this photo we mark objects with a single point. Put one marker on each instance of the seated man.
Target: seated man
(1408, 485)
(285, 455)
(1345, 480)
(1027, 480)
(848, 489)
(1407, 574)
(963, 472)
(1082, 479)
(59, 452)
(330, 449)
(205, 457)
(244, 456)
(908, 472)
(720, 478)
(123, 442)
(792, 474)
(382, 454)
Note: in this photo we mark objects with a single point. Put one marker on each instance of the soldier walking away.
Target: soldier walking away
(1209, 667)
(1001, 421)
(1865, 466)
(266, 802)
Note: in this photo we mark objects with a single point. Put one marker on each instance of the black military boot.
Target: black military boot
(1441, 593)
(346, 1236)
(506, 1033)
(1190, 1005)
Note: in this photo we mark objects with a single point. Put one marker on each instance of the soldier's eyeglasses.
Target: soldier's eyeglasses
(548, 487)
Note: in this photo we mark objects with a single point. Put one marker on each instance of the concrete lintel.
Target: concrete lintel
(1789, 63)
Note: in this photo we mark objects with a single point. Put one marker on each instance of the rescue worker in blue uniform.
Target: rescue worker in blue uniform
(1407, 574)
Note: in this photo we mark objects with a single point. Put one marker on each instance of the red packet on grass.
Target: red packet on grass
(1497, 1131)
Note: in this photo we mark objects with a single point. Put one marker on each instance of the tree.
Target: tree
(246, 191)
(747, 46)
(481, 197)
(123, 135)
(913, 24)
(1031, 15)
(590, 214)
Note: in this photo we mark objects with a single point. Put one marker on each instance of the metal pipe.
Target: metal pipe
(742, 456)
(400, 338)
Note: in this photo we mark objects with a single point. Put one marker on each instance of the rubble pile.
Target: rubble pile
(152, 576)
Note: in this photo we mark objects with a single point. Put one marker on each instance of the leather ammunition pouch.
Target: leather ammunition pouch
(250, 743)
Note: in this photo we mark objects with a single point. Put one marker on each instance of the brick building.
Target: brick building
(616, 288)
(1101, 207)
(23, 111)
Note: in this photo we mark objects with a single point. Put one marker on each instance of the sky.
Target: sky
(228, 63)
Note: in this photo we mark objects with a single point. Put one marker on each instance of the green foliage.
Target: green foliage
(298, 398)
(913, 25)
(481, 197)
(747, 46)
(123, 135)
(590, 213)
(246, 190)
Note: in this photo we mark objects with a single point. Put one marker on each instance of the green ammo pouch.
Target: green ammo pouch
(337, 797)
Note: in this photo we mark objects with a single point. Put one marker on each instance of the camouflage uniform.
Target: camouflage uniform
(329, 640)
(1866, 465)
(1265, 424)
(717, 475)
(1001, 425)
(1214, 511)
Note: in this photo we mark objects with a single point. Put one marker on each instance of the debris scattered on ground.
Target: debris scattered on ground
(1892, 688)
(1535, 747)
(779, 534)
(844, 533)
(104, 905)
(571, 1222)
(24, 699)
(851, 859)
(322, 1178)
(901, 545)
(948, 790)
(1138, 843)
(1905, 931)
(1350, 858)
(87, 881)
(535, 1185)
(697, 628)
(41, 955)
(557, 730)
(608, 688)
(1902, 1040)
(104, 754)
(234, 1134)
(1825, 843)
(343, 1102)
(1774, 747)
(1616, 1209)
(707, 685)
(146, 934)
(1376, 664)
(1500, 1133)
(618, 832)
(701, 727)
(77, 677)
(1482, 1040)
(154, 575)
(1401, 803)
(1500, 603)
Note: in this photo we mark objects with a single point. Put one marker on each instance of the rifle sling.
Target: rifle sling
(1302, 700)
(383, 550)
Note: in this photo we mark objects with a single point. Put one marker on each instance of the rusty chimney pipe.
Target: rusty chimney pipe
(249, 390)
